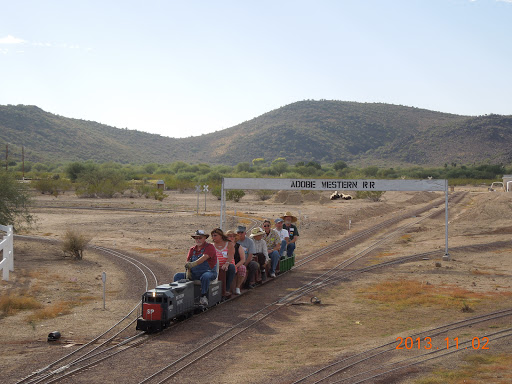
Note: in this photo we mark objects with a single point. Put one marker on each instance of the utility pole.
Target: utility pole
(23, 161)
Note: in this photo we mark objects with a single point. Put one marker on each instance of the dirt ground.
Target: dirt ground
(353, 316)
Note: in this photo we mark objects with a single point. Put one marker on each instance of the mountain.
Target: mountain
(323, 131)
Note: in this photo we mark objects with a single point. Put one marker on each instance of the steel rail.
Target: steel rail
(310, 257)
(32, 379)
(430, 332)
(273, 307)
(436, 352)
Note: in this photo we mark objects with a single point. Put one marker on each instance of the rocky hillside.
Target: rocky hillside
(323, 131)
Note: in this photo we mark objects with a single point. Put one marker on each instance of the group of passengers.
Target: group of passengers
(243, 260)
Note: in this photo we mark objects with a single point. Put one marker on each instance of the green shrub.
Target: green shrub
(100, 183)
(370, 195)
(158, 194)
(235, 195)
(52, 186)
(217, 192)
(264, 194)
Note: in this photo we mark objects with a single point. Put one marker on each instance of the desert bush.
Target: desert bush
(149, 190)
(74, 244)
(11, 303)
(264, 194)
(235, 195)
(217, 191)
(52, 186)
(370, 195)
(158, 194)
(174, 183)
(100, 182)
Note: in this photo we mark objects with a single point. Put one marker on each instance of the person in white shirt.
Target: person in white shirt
(283, 234)
(260, 250)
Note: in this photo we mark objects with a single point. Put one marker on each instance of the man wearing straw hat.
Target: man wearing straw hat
(201, 264)
(293, 232)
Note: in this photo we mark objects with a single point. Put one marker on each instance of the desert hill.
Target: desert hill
(323, 131)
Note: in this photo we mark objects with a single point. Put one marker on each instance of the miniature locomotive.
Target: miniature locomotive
(173, 301)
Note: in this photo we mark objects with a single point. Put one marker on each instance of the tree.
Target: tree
(280, 165)
(73, 170)
(258, 161)
(370, 171)
(339, 165)
(150, 168)
(100, 182)
(14, 201)
(314, 164)
(243, 167)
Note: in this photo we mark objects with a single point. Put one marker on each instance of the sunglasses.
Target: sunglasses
(266, 226)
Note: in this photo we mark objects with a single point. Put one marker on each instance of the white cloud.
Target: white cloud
(505, 1)
(11, 40)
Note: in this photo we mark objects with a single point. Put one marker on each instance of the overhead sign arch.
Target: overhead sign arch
(334, 185)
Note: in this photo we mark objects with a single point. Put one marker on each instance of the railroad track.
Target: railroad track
(330, 277)
(454, 198)
(48, 375)
(100, 347)
(421, 347)
(116, 209)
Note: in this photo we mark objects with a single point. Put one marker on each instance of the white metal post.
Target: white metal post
(10, 233)
(7, 247)
(446, 256)
(222, 197)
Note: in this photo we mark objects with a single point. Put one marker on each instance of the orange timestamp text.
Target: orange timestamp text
(426, 343)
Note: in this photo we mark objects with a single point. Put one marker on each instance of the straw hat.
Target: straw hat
(289, 214)
(257, 231)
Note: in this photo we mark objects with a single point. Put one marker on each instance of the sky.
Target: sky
(187, 68)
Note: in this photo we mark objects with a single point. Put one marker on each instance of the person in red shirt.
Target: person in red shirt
(201, 264)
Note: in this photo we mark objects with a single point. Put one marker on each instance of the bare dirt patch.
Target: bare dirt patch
(300, 336)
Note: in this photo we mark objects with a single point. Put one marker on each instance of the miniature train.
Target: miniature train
(180, 299)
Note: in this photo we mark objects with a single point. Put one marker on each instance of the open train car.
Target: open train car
(180, 299)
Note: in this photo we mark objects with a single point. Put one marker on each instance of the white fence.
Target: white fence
(6, 246)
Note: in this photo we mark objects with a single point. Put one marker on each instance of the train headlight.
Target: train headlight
(154, 294)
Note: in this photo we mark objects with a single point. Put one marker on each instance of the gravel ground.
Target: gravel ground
(288, 344)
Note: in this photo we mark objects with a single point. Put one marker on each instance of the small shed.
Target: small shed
(507, 183)
(160, 184)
